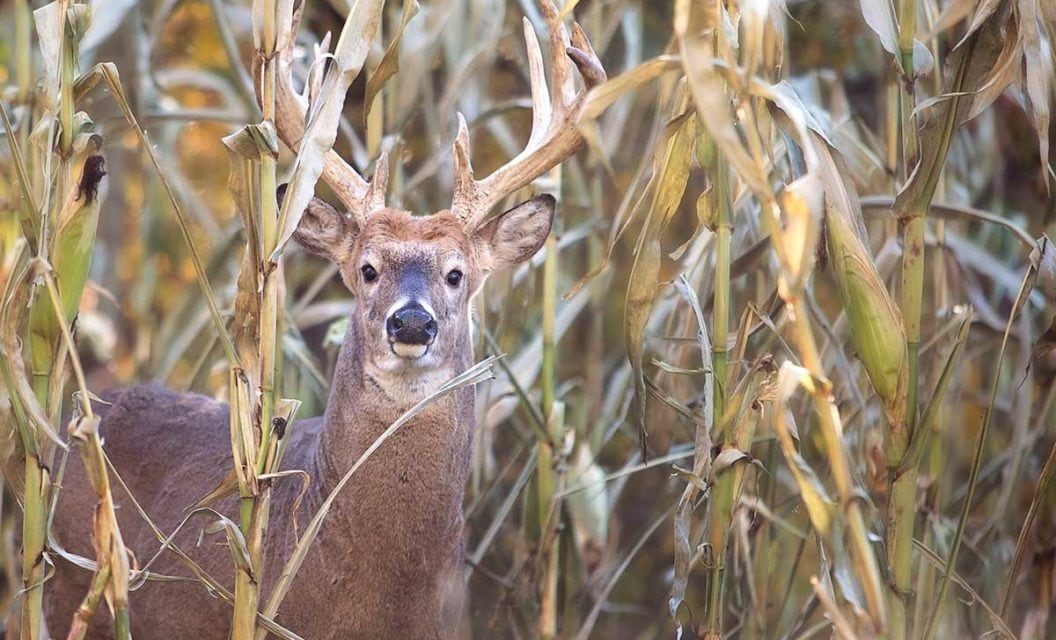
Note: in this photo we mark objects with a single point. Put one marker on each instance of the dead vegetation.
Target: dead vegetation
(784, 369)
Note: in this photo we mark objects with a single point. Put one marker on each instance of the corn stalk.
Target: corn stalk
(549, 452)
(259, 416)
(252, 457)
(738, 427)
(911, 207)
(901, 512)
(715, 208)
(112, 567)
(59, 220)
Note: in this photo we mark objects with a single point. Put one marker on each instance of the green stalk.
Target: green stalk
(901, 511)
(725, 495)
(33, 536)
(900, 522)
(901, 514)
(41, 357)
(547, 455)
(721, 505)
(269, 312)
(721, 317)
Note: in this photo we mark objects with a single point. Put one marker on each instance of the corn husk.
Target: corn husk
(876, 324)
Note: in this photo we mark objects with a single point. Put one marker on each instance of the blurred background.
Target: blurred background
(184, 68)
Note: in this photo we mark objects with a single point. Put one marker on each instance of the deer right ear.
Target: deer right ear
(324, 231)
(515, 236)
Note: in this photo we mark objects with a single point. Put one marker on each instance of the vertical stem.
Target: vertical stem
(33, 524)
(23, 51)
(255, 507)
(68, 71)
(547, 473)
(246, 596)
(376, 117)
(719, 339)
(901, 512)
(721, 317)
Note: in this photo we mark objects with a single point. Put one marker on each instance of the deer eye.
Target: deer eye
(454, 277)
(370, 274)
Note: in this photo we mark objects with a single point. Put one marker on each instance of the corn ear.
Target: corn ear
(71, 258)
(876, 324)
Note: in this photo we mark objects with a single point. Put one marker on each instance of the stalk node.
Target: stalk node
(901, 594)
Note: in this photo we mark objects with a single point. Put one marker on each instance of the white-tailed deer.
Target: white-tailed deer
(388, 562)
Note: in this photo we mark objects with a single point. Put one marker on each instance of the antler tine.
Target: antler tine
(359, 196)
(587, 61)
(464, 182)
(541, 111)
(375, 196)
(555, 114)
(564, 83)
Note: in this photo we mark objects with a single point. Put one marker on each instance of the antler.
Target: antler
(554, 134)
(360, 197)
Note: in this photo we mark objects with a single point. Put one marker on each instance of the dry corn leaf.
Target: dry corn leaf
(670, 174)
(1039, 72)
(390, 62)
(968, 69)
(245, 150)
(880, 17)
(324, 114)
(605, 94)
(702, 460)
(709, 90)
(801, 206)
(820, 507)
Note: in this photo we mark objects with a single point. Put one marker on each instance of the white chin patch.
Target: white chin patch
(409, 351)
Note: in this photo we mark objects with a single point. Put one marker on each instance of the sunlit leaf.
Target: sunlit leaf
(390, 62)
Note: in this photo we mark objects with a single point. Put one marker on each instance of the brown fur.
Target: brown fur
(388, 561)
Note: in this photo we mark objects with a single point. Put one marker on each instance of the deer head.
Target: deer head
(414, 276)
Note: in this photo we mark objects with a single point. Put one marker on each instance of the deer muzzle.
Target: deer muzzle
(411, 329)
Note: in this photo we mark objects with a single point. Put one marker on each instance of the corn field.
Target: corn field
(785, 367)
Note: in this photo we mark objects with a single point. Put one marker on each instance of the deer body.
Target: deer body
(388, 560)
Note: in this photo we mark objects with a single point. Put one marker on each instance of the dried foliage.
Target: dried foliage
(785, 368)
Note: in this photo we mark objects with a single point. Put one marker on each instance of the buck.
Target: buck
(388, 562)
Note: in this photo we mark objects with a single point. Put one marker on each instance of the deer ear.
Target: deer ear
(323, 230)
(515, 236)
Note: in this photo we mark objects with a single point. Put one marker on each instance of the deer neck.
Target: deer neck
(433, 447)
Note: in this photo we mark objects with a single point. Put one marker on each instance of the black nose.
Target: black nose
(411, 325)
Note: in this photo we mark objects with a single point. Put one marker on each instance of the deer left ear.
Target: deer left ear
(323, 230)
(515, 236)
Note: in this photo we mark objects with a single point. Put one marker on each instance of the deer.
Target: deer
(388, 561)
